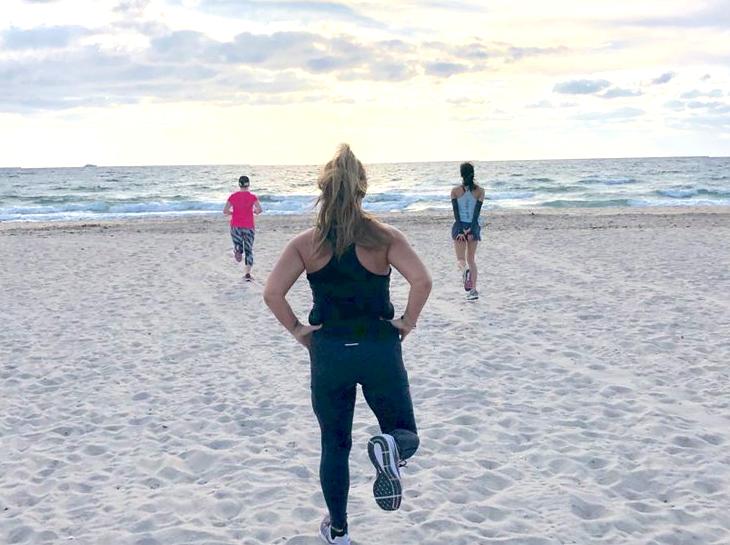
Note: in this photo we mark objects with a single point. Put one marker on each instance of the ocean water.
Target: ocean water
(131, 192)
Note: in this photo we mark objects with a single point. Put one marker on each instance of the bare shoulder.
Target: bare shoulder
(394, 234)
(481, 193)
(457, 191)
(304, 241)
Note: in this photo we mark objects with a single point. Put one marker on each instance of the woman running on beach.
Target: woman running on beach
(352, 335)
(241, 206)
(466, 200)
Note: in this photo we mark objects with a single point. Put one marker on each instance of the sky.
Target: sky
(155, 82)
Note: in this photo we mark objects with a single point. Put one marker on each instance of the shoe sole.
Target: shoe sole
(387, 487)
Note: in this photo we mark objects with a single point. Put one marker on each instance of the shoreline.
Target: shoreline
(496, 220)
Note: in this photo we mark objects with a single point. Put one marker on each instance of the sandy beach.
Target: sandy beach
(148, 397)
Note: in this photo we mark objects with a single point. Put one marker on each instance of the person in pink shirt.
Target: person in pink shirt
(241, 206)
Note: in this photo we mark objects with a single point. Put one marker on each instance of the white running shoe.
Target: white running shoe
(473, 295)
(387, 488)
(325, 532)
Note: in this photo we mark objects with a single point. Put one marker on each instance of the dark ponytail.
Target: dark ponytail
(467, 175)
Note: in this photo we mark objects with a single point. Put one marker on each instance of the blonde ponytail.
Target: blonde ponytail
(341, 220)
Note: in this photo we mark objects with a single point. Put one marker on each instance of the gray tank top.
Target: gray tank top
(467, 202)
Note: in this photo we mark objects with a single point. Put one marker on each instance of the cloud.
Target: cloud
(392, 60)
(41, 37)
(450, 5)
(715, 93)
(444, 69)
(541, 104)
(189, 65)
(664, 78)
(90, 77)
(712, 122)
(390, 71)
(284, 50)
(712, 106)
(479, 52)
(622, 114)
(473, 52)
(581, 86)
(169, 65)
(714, 14)
(517, 53)
(675, 105)
(283, 10)
(617, 92)
(132, 7)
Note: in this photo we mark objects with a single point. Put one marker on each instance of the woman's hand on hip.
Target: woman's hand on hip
(303, 333)
(403, 327)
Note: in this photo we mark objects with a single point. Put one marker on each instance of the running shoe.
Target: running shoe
(467, 279)
(328, 536)
(238, 256)
(473, 295)
(387, 489)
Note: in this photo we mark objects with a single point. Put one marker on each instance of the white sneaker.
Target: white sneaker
(387, 488)
(473, 295)
(325, 532)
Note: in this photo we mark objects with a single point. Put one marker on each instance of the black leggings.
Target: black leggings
(338, 365)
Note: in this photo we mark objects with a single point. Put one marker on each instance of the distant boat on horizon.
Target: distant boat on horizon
(89, 166)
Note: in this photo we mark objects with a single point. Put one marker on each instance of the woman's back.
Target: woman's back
(353, 287)
(466, 200)
(467, 203)
(374, 259)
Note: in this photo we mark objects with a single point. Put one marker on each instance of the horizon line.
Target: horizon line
(92, 165)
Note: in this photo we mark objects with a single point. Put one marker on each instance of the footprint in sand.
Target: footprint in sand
(586, 510)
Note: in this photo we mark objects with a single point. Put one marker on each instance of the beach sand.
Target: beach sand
(148, 397)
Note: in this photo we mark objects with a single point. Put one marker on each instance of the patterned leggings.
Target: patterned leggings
(243, 242)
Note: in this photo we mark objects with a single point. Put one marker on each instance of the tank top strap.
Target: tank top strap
(349, 259)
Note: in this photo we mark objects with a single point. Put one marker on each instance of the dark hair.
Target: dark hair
(243, 181)
(467, 175)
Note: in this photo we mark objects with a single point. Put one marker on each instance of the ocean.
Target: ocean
(88, 193)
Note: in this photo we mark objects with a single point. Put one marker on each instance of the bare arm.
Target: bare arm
(286, 271)
(227, 208)
(407, 262)
(257, 207)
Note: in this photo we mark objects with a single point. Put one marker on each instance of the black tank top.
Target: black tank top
(348, 297)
